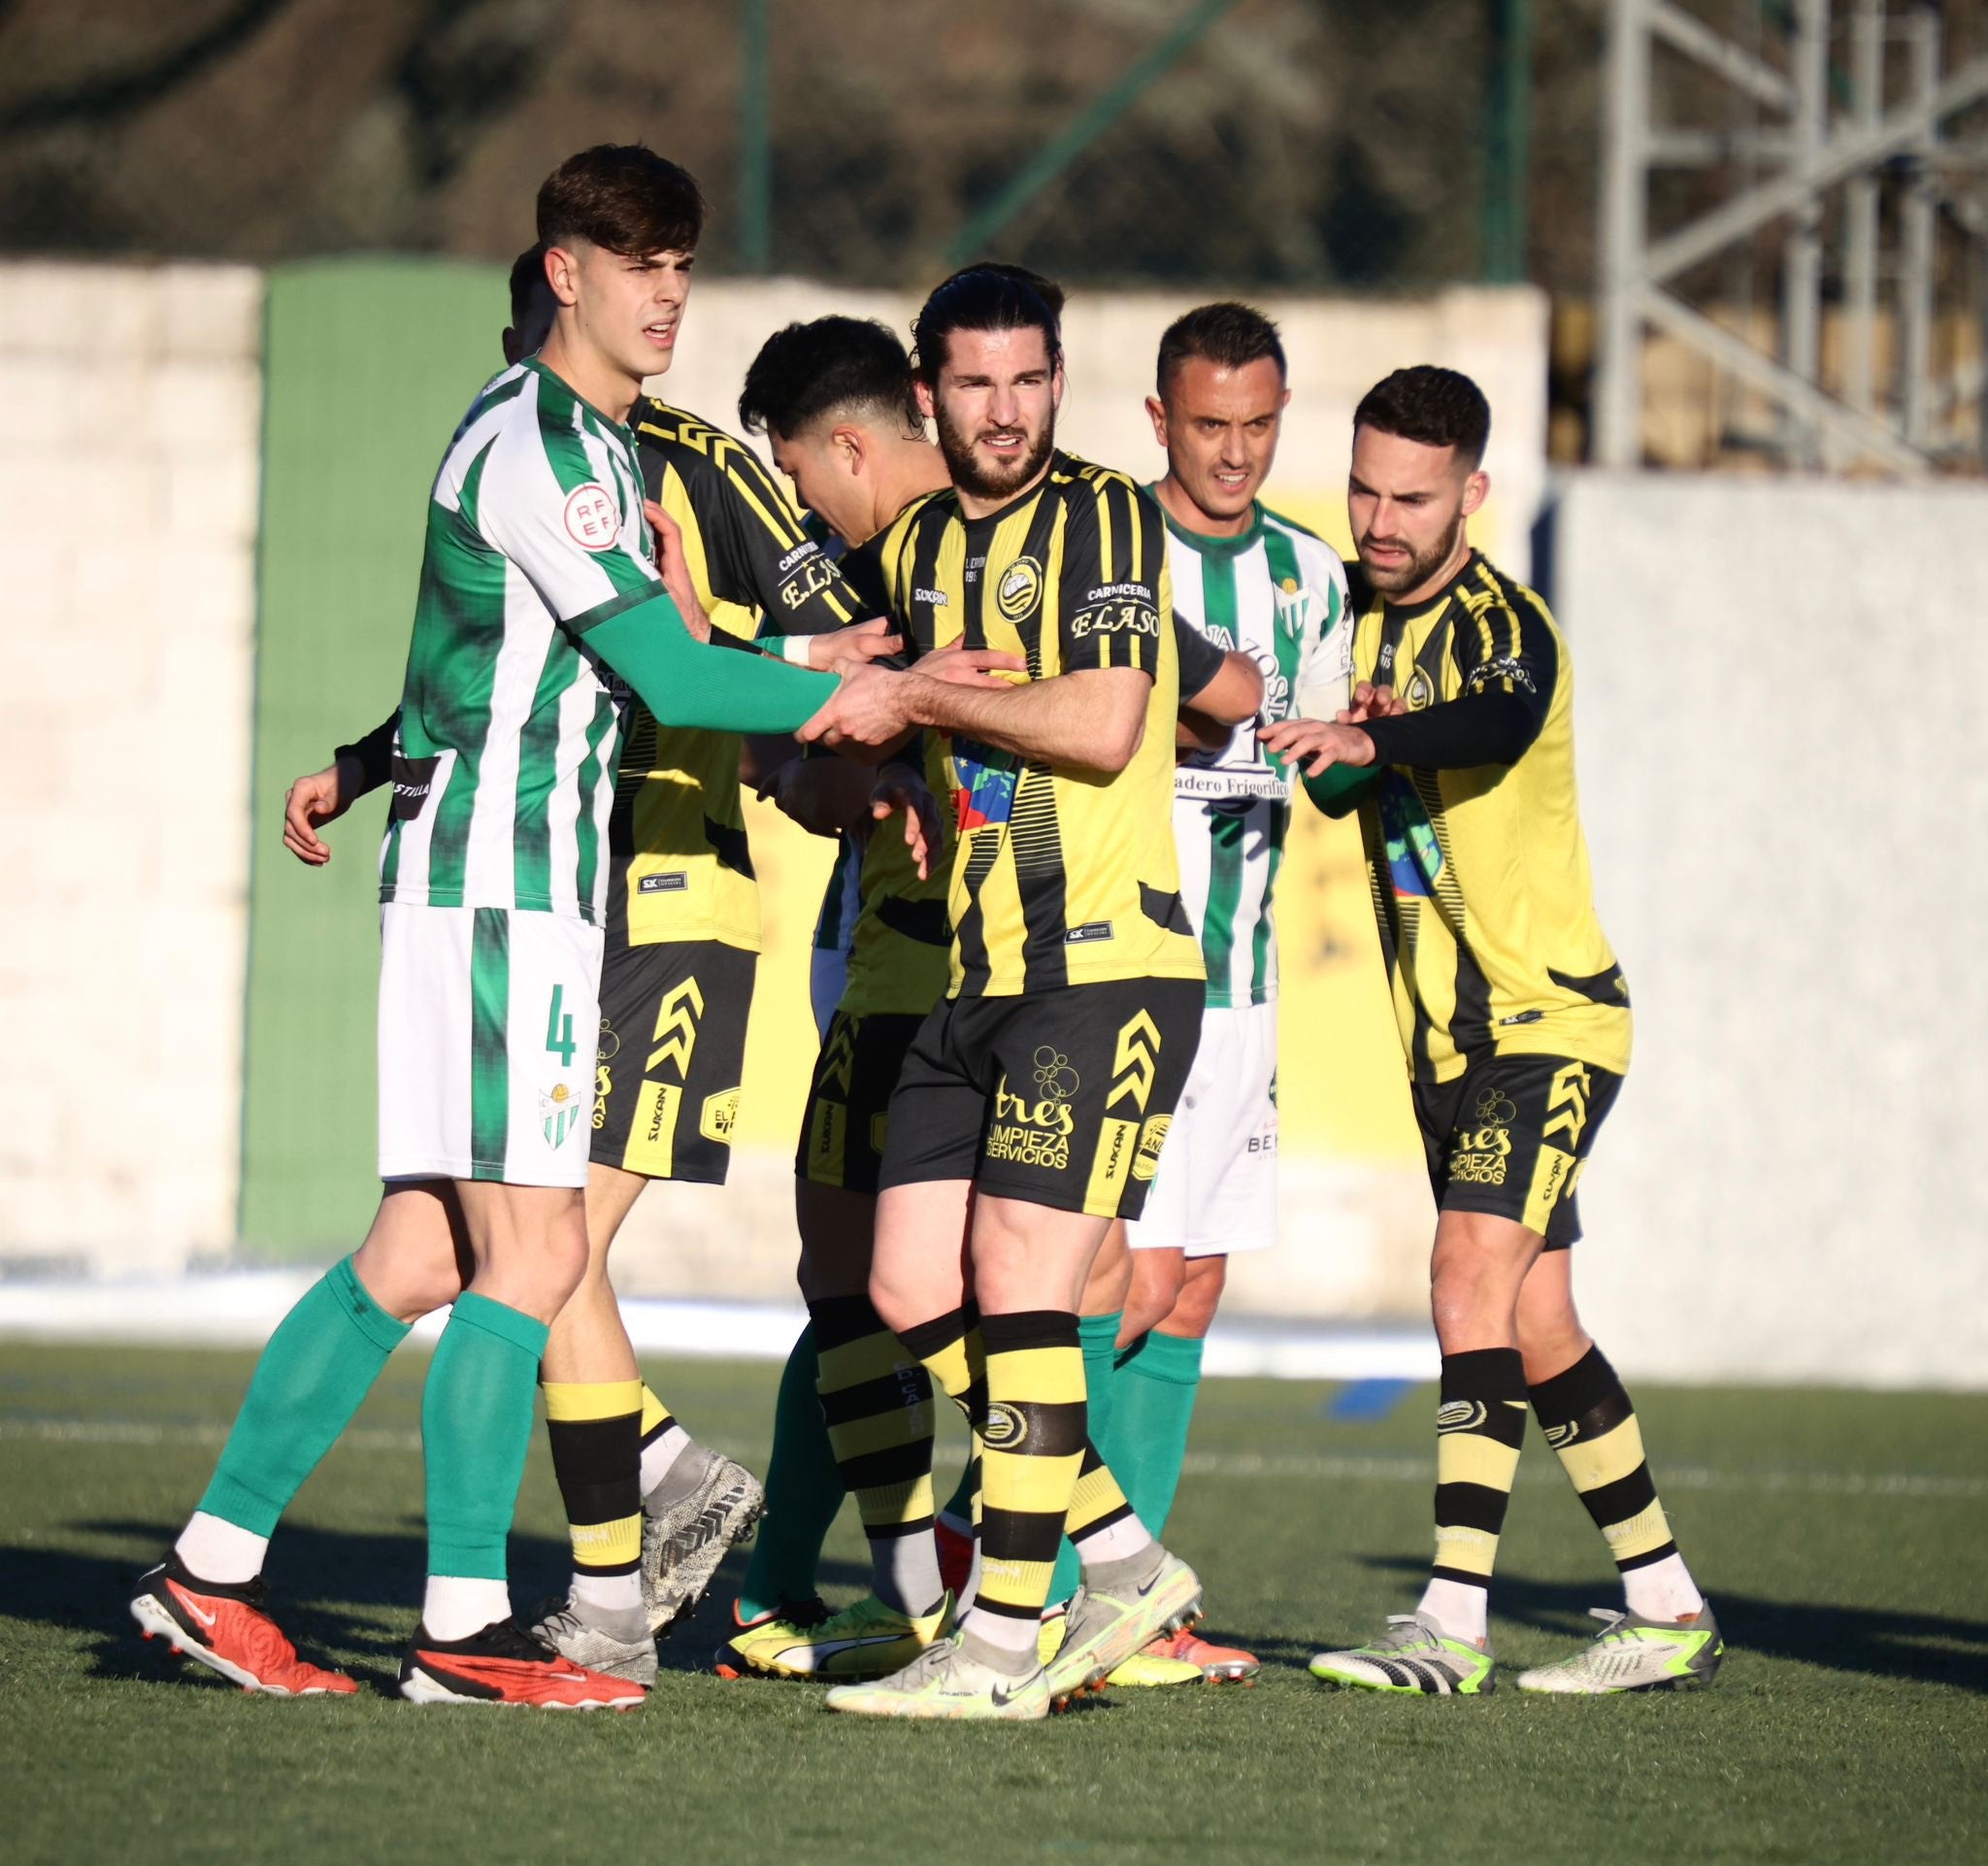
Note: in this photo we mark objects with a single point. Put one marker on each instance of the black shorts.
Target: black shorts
(848, 1100)
(1510, 1136)
(1061, 1098)
(673, 1046)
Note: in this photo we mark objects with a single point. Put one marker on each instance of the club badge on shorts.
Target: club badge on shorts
(558, 1109)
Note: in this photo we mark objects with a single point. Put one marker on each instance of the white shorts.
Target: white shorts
(1216, 1188)
(488, 1026)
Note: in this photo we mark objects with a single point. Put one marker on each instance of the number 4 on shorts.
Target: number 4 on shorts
(559, 1029)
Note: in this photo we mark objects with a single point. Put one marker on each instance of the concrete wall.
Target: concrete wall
(130, 407)
(1337, 349)
(1782, 778)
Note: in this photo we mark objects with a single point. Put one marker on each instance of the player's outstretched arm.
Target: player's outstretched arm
(687, 682)
(1094, 717)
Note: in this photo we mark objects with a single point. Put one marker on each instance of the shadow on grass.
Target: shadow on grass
(337, 1591)
(1878, 1642)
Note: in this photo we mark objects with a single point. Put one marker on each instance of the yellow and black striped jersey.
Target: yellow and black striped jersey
(683, 870)
(1061, 875)
(1473, 844)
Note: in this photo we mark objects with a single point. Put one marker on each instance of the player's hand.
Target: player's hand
(872, 707)
(321, 798)
(854, 647)
(967, 666)
(901, 789)
(1371, 702)
(1317, 745)
(672, 564)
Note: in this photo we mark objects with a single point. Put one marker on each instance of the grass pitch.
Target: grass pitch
(1841, 1536)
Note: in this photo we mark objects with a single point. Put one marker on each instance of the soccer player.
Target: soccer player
(537, 591)
(1251, 581)
(835, 397)
(1458, 754)
(1035, 1097)
(677, 985)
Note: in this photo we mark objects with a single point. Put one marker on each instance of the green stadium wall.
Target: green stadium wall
(369, 366)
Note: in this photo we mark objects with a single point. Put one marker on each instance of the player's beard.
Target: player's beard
(968, 474)
(1420, 566)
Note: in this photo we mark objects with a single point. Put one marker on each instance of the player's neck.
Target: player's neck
(1434, 585)
(909, 471)
(1180, 507)
(600, 383)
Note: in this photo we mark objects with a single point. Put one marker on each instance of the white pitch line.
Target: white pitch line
(1236, 1465)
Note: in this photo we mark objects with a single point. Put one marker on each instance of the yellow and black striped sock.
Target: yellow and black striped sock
(1031, 1449)
(663, 1441)
(1480, 1426)
(876, 1401)
(1591, 1425)
(595, 1429)
(1102, 1525)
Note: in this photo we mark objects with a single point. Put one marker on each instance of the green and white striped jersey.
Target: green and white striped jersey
(1278, 593)
(504, 767)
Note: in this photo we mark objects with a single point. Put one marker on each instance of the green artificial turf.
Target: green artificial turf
(1841, 1536)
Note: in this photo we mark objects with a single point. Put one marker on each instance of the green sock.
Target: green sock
(804, 1492)
(1098, 1337)
(1153, 1404)
(319, 1366)
(475, 1429)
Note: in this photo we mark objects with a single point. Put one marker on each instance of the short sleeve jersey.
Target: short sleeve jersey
(683, 869)
(1062, 875)
(1480, 877)
(1278, 594)
(505, 758)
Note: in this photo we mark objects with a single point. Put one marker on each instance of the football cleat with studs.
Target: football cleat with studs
(504, 1664)
(865, 1640)
(1414, 1655)
(947, 1681)
(1634, 1655)
(1105, 1629)
(224, 1626)
(683, 1541)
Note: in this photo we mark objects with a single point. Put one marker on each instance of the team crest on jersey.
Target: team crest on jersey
(1019, 590)
(558, 1109)
(1419, 692)
(593, 518)
(1294, 608)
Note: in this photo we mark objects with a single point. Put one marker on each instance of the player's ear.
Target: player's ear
(1157, 410)
(847, 445)
(1056, 385)
(923, 390)
(562, 274)
(1476, 489)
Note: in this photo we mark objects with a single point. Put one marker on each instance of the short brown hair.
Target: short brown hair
(624, 197)
(986, 297)
(1430, 405)
(1229, 334)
